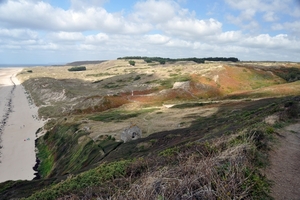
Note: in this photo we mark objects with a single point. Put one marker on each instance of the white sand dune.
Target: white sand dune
(18, 133)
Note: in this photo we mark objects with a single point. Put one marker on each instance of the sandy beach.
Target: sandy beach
(18, 125)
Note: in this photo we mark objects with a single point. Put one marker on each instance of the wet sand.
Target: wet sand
(18, 125)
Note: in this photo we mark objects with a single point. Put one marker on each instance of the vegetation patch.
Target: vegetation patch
(100, 74)
(95, 177)
(176, 172)
(119, 115)
(77, 68)
(47, 160)
(168, 83)
(60, 146)
(289, 74)
(164, 60)
(188, 105)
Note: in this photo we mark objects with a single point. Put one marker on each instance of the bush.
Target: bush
(131, 62)
(137, 78)
(162, 62)
(78, 68)
(148, 60)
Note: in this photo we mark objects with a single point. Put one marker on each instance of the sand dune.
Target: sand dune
(19, 124)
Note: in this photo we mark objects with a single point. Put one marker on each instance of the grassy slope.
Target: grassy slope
(69, 148)
(164, 156)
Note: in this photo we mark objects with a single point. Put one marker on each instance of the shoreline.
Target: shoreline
(19, 124)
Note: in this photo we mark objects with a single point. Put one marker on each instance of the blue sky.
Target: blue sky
(61, 31)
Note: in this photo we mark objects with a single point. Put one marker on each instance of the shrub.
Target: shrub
(148, 60)
(131, 62)
(137, 78)
(162, 62)
(78, 68)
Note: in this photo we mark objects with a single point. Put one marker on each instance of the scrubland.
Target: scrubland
(206, 133)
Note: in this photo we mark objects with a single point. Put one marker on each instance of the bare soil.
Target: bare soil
(285, 164)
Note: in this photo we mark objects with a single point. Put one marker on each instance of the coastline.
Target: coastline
(19, 123)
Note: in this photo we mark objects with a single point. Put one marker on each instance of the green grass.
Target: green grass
(112, 85)
(119, 115)
(168, 83)
(47, 160)
(91, 178)
(100, 74)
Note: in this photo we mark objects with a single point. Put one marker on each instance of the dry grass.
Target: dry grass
(222, 168)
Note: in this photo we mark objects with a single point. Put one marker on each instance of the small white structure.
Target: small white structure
(131, 133)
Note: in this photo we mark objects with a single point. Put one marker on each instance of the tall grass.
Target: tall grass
(222, 168)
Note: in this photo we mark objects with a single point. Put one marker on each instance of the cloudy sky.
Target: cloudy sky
(61, 31)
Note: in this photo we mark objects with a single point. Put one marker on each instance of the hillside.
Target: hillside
(205, 129)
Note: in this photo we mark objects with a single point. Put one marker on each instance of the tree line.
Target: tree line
(164, 60)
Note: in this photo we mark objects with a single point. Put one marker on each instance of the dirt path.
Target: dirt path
(285, 165)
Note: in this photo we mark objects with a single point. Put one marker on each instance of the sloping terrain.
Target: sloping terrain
(212, 114)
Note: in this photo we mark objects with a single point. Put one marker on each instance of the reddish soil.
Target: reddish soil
(285, 165)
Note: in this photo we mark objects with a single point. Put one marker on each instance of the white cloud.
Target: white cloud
(154, 11)
(192, 27)
(88, 31)
(96, 39)
(270, 16)
(81, 4)
(296, 11)
(66, 36)
(42, 16)
(156, 39)
(228, 37)
(259, 5)
(293, 27)
(18, 34)
(265, 41)
(248, 14)
(269, 9)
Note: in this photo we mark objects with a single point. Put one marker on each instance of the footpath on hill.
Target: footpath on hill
(285, 164)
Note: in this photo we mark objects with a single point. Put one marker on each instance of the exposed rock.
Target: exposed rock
(131, 133)
(182, 85)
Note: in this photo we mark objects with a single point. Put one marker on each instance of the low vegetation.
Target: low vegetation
(119, 115)
(77, 68)
(212, 143)
(225, 168)
(131, 62)
(164, 60)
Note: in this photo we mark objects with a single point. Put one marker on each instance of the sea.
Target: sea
(28, 65)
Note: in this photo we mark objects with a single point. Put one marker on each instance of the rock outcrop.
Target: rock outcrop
(131, 133)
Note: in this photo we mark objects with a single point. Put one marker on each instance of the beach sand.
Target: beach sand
(19, 123)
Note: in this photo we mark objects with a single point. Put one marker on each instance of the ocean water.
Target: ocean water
(28, 65)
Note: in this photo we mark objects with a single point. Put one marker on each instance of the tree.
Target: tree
(131, 62)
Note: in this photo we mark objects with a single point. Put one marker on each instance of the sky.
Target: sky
(62, 31)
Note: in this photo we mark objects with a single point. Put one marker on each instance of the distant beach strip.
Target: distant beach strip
(7, 111)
